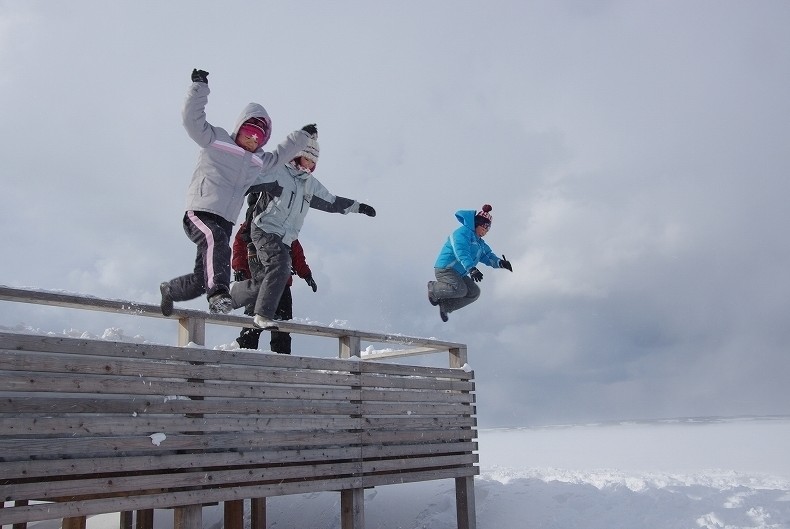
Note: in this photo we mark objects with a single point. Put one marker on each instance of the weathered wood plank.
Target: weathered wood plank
(369, 380)
(416, 436)
(78, 362)
(428, 475)
(417, 371)
(48, 511)
(92, 425)
(158, 404)
(52, 448)
(97, 425)
(168, 462)
(384, 451)
(412, 395)
(115, 485)
(76, 347)
(415, 408)
(73, 383)
(418, 463)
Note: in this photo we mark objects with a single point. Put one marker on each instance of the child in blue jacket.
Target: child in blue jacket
(456, 267)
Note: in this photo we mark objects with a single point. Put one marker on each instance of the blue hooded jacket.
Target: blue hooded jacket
(464, 249)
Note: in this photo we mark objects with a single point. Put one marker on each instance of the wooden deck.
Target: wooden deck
(94, 426)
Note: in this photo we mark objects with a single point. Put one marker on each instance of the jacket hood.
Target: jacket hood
(466, 217)
(253, 110)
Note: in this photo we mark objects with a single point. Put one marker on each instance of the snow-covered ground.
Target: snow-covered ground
(683, 474)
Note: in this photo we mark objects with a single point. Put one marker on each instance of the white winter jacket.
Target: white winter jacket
(224, 170)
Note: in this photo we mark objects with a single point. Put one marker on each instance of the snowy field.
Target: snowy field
(682, 474)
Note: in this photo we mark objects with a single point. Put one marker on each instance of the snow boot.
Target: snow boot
(264, 323)
(431, 299)
(220, 303)
(248, 338)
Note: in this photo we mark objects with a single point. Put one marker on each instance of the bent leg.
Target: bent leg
(470, 296)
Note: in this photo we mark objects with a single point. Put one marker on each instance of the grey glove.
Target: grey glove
(310, 281)
(476, 274)
(504, 263)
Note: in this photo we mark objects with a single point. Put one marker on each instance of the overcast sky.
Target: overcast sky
(636, 154)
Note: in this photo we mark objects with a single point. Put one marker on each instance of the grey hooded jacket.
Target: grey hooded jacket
(291, 193)
(224, 170)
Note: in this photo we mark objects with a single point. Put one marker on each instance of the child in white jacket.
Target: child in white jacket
(228, 164)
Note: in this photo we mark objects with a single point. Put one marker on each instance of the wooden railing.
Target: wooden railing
(95, 426)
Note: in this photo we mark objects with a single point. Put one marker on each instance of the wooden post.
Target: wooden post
(234, 514)
(465, 502)
(350, 346)
(258, 513)
(188, 517)
(191, 330)
(352, 509)
(458, 357)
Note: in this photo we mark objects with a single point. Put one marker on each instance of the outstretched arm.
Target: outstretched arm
(194, 113)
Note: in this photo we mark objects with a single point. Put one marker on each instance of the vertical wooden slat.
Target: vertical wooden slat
(258, 513)
(18, 503)
(77, 522)
(234, 514)
(188, 517)
(126, 520)
(145, 519)
(352, 509)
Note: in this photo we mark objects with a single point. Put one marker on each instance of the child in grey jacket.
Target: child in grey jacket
(287, 195)
(228, 164)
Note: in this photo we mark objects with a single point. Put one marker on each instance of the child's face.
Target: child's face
(247, 141)
(482, 230)
(252, 134)
(307, 165)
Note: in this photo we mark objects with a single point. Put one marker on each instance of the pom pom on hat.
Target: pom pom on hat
(484, 215)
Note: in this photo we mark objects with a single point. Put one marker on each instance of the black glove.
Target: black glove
(199, 76)
(311, 130)
(252, 255)
(504, 263)
(238, 275)
(476, 274)
(367, 210)
(310, 281)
